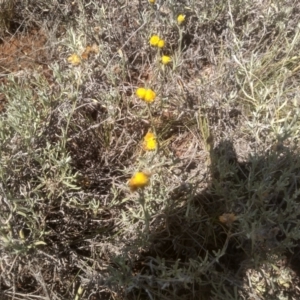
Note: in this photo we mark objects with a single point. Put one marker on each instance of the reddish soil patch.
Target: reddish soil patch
(22, 51)
(19, 52)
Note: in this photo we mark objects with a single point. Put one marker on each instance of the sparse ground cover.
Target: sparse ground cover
(149, 150)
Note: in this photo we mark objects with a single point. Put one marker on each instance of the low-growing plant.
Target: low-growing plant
(155, 155)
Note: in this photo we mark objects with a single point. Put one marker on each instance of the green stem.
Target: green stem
(145, 211)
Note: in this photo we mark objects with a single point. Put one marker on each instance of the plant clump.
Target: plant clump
(149, 150)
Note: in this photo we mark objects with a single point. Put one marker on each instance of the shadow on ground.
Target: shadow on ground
(237, 238)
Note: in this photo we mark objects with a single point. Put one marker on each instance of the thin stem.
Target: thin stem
(146, 212)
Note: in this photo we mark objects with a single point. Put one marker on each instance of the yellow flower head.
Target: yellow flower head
(154, 40)
(138, 180)
(140, 92)
(227, 218)
(149, 96)
(150, 142)
(152, 1)
(74, 59)
(161, 44)
(89, 50)
(165, 59)
(180, 19)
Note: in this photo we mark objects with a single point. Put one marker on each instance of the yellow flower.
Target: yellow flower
(161, 44)
(180, 19)
(138, 180)
(165, 59)
(145, 94)
(149, 96)
(152, 1)
(154, 40)
(88, 50)
(74, 59)
(140, 92)
(227, 218)
(150, 142)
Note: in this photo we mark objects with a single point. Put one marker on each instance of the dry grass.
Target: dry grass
(220, 217)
